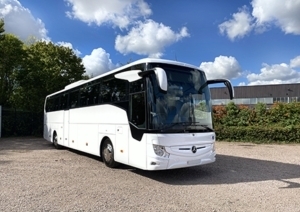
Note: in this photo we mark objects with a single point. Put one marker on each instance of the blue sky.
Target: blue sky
(250, 42)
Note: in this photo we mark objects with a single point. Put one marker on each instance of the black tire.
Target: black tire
(107, 154)
(55, 141)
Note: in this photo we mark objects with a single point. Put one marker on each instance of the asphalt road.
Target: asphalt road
(246, 177)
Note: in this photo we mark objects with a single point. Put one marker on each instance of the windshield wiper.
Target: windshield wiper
(206, 127)
(175, 124)
(186, 125)
(196, 124)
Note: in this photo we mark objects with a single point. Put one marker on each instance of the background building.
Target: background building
(251, 95)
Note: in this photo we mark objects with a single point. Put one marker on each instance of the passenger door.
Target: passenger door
(137, 117)
(66, 128)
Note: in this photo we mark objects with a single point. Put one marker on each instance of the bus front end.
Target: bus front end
(179, 119)
(171, 151)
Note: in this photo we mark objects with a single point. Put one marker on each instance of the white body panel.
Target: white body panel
(83, 129)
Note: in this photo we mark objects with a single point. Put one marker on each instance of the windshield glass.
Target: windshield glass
(186, 106)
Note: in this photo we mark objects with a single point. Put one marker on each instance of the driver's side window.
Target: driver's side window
(137, 115)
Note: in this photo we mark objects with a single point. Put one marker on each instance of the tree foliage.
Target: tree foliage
(1, 28)
(48, 68)
(29, 72)
(11, 58)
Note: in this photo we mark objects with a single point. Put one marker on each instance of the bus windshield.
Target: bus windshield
(185, 107)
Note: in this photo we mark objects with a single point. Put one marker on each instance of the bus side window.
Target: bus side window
(73, 101)
(136, 86)
(49, 104)
(84, 96)
(52, 103)
(93, 94)
(119, 90)
(114, 90)
(63, 101)
(105, 92)
(56, 103)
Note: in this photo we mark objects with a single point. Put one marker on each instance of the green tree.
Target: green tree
(11, 57)
(1, 28)
(46, 69)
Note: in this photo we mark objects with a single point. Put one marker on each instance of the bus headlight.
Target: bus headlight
(160, 151)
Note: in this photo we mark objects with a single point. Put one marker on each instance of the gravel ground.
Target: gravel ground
(246, 177)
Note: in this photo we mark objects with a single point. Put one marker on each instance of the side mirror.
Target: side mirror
(226, 82)
(134, 75)
(161, 77)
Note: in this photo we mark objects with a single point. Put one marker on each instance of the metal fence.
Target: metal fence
(0, 121)
(20, 123)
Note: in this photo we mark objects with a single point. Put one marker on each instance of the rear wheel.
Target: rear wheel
(107, 154)
(55, 141)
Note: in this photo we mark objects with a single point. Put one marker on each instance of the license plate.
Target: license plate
(194, 162)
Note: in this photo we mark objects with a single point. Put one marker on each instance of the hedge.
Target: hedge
(279, 122)
(259, 134)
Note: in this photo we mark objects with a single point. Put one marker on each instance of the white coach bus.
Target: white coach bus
(151, 114)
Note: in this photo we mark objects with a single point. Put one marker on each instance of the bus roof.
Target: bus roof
(144, 60)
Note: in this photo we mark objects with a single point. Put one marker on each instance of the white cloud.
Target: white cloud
(69, 45)
(284, 14)
(141, 35)
(265, 13)
(119, 13)
(275, 74)
(98, 62)
(295, 63)
(148, 38)
(239, 26)
(19, 21)
(222, 67)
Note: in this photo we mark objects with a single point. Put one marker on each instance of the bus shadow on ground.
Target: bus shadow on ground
(228, 170)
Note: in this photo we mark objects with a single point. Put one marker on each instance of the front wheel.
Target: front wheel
(107, 154)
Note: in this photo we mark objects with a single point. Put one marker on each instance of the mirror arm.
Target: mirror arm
(146, 73)
(226, 82)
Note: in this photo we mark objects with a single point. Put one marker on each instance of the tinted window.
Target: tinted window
(89, 95)
(50, 104)
(73, 101)
(56, 102)
(114, 90)
(137, 113)
(64, 101)
(137, 86)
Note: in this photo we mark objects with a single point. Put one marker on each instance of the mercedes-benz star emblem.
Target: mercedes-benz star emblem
(194, 149)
